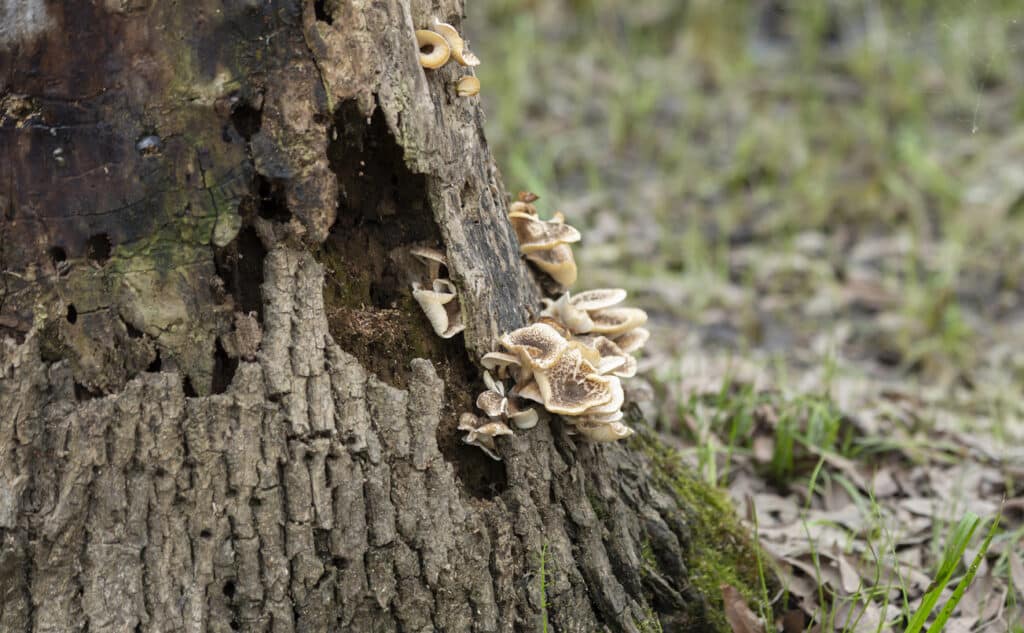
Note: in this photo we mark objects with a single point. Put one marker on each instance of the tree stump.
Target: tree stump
(221, 408)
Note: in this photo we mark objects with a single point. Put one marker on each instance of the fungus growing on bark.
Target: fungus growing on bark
(481, 433)
(545, 242)
(440, 303)
(460, 51)
(468, 86)
(434, 50)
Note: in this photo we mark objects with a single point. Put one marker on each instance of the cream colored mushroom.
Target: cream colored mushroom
(522, 417)
(558, 263)
(494, 404)
(598, 298)
(600, 432)
(434, 50)
(523, 208)
(538, 346)
(563, 309)
(529, 390)
(537, 235)
(434, 260)
(500, 362)
(614, 402)
(617, 320)
(632, 340)
(572, 385)
(481, 433)
(433, 303)
(467, 86)
(460, 52)
(625, 368)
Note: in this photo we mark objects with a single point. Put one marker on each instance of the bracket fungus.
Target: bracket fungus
(434, 49)
(546, 243)
(468, 86)
(460, 51)
(440, 302)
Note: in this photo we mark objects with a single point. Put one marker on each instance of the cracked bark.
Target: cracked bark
(233, 417)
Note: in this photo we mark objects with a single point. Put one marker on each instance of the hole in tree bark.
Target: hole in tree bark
(58, 254)
(272, 203)
(229, 589)
(83, 393)
(72, 313)
(186, 386)
(223, 369)
(246, 119)
(321, 12)
(98, 248)
(156, 365)
(240, 266)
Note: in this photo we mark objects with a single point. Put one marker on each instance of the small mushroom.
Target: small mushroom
(617, 320)
(434, 49)
(460, 52)
(598, 299)
(527, 197)
(522, 418)
(494, 404)
(499, 362)
(537, 235)
(522, 207)
(442, 312)
(600, 432)
(481, 433)
(530, 391)
(538, 345)
(467, 86)
(434, 259)
(614, 402)
(625, 368)
(572, 386)
(632, 340)
(558, 263)
(565, 311)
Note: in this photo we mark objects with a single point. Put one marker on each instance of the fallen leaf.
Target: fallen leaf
(739, 615)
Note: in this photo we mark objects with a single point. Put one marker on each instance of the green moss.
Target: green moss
(720, 551)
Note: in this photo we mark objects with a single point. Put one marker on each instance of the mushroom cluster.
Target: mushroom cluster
(437, 296)
(500, 409)
(570, 361)
(546, 243)
(442, 43)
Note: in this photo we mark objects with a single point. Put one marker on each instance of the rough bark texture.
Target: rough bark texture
(221, 409)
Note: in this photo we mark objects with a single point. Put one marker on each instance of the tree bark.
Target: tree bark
(221, 408)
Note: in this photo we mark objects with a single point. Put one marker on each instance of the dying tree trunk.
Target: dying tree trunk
(220, 408)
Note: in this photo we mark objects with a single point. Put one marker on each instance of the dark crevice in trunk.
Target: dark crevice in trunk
(223, 369)
(98, 248)
(240, 266)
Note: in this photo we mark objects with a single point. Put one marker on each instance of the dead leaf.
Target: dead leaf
(739, 615)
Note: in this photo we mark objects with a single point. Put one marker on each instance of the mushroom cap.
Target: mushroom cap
(598, 299)
(494, 360)
(524, 419)
(632, 340)
(496, 386)
(433, 302)
(538, 235)
(614, 402)
(538, 345)
(572, 385)
(625, 368)
(617, 320)
(459, 51)
(601, 418)
(557, 262)
(494, 429)
(492, 403)
(428, 255)
(529, 391)
(527, 197)
(522, 207)
(563, 309)
(601, 432)
(440, 50)
(467, 86)
(557, 325)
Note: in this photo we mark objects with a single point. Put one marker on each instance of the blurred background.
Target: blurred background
(821, 206)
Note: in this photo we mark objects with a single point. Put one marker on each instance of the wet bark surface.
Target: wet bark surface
(221, 408)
